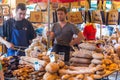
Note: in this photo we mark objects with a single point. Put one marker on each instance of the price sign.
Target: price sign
(75, 17)
(53, 57)
(36, 16)
(96, 17)
(113, 17)
(20, 1)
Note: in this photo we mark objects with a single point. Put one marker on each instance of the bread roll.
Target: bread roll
(98, 56)
(96, 61)
(100, 72)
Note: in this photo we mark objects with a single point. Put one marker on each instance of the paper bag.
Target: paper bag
(112, 17)
(36, 16)
(75, 17)
(96, 17)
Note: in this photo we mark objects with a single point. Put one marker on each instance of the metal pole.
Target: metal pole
(100, 30)
(48, 44)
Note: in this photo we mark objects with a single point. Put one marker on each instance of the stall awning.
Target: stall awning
(63, 1)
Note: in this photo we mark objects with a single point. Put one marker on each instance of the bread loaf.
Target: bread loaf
(98, 56)
(96, 61)
(87, 46)
(82, 53)
(100, 72)
(80, 60)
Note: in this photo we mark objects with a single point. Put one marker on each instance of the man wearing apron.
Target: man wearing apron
(18, 31)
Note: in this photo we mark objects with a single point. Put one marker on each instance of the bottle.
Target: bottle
(36, 66)
(1, 73)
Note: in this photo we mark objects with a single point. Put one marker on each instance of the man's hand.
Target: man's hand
(9, 45)
(72, 43)
(51, 34)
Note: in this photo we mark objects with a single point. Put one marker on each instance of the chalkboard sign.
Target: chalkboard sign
(75, 17)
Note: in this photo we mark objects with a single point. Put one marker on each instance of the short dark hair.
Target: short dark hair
(21, 6)
(62, 9)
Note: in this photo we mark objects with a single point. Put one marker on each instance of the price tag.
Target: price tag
(49, 51)
(20, 1)
(114, 41)
(52, 58)
(36, 66)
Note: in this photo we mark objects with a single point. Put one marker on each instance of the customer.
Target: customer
(18, 31)
(62, 32)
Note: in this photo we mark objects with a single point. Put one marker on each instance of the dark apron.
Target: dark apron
(18, 38)
(61, 48)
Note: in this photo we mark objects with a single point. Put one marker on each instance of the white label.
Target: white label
(114, 41)
(36, 66)
(52, 58)
(49, 51)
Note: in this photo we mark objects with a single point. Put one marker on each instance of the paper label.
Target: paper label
(49, 51)
(52, 58)
(36, 66)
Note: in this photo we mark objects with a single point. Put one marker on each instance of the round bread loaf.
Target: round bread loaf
(100, 72)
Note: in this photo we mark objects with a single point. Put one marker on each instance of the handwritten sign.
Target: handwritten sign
(54, 5)
(35, 16)
(75, 17)
(113, 17)
(66, 5)
(96, 17)
(73, 4)
(20, 1)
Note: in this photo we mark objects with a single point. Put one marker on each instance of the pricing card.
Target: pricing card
(49, 51)
(52, 58)
(114, 41)
(36, 66)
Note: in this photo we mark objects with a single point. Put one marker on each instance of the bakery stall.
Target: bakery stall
(92, 60)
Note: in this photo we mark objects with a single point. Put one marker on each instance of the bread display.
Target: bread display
(84, 64)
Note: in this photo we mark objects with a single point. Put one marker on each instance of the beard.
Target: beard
(61, 20)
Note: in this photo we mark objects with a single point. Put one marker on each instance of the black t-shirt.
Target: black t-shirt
(10, 23)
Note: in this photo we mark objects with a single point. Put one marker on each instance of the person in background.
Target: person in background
(18, 31)
(62, 32)
(89, 31)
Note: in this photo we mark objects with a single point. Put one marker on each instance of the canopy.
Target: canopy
(63, 1)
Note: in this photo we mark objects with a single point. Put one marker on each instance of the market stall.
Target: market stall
(92, 60)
